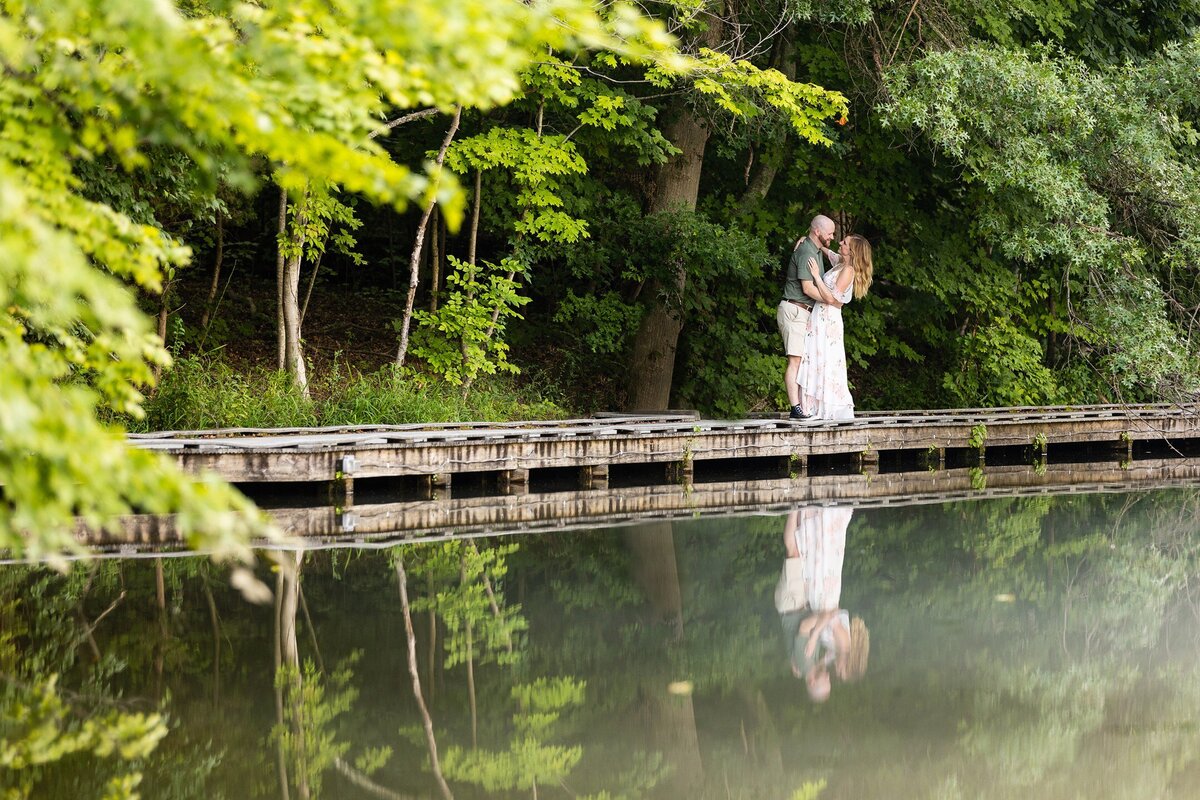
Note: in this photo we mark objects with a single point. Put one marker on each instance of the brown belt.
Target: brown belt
(805, 306)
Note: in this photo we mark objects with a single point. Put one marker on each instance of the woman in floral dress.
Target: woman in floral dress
(822, 376)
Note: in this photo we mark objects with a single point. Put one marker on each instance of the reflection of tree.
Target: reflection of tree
(1057, 658)
(530, 759)
(477, 629)
(414, 674)
(55, 741)
(667, 720)
(482, 627)
(1056, 622)
(664, 608)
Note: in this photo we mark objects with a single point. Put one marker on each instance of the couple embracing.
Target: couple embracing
(810, 320)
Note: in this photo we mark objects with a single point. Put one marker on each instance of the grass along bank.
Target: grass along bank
(201, 393)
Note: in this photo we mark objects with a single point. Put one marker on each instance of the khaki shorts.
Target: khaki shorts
(793, 326)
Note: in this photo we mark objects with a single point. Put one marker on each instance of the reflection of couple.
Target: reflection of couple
(810, 320)
(823, 640)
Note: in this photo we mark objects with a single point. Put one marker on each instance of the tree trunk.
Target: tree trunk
(427, 721)
(436, 259)
(774, 151)
(293, 350)
(164, 315)
(414, 262)
(312, 280)
(280, 265)
(280, 718)
(216, 633)
(210, 301)
(677, 186)
(290, 654)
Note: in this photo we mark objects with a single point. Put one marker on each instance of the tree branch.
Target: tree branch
(396, 123)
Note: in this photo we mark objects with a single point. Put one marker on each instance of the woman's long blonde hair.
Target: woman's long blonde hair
(859, 252)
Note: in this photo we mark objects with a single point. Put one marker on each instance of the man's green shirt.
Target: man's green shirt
(798, 271)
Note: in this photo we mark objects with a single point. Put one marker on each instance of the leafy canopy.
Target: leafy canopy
(231, 86)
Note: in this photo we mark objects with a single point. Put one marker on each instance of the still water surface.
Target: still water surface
(1041, 647)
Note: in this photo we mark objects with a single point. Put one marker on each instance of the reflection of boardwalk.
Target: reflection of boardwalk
(615, 451)
(367, 522)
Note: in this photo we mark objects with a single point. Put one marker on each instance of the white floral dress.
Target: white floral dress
(813, 579)
(822, 375)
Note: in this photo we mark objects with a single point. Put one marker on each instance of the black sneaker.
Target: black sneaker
(798, 414)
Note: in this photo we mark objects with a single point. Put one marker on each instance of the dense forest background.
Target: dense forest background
(1024, 171)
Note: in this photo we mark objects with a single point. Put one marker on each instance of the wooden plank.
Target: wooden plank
(420, 450)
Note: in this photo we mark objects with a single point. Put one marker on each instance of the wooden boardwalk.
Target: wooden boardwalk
(616, 451)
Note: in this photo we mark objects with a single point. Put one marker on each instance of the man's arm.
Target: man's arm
(810, 289)
(817, 290)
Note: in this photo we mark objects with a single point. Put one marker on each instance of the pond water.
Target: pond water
(1024, 647)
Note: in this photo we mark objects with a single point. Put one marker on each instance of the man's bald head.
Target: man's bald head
(822, 229)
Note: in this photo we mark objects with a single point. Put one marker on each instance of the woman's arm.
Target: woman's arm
(826, 295)
(833, 257)
(844, 278)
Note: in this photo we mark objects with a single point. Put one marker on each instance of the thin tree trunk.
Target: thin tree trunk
(466, 355)
(160, 600)
(312, 281)
(312, 632)
(435, 261)
(462, 579)
(293, 349)
(491, 595)
(365, 783)
(445, 249)
(427, 721)
(218, 259)
(414, 262)
(290, 648)
(216, 630)
(280, 754)
(475, 217)
(471, 687)
(280, 266)
(433, 629)
(164, 314)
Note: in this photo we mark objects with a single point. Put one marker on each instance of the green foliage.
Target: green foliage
(729, 361)
(206, 393)
(1077, 168)
(320, 221)
(470, 580)
(1000, 365)
(530, 760)
(39, 728)
(1146, 357)
(313, 702)
(811, 790)
(744, 91)
(534, 163)
(978, 436)
(464, 338)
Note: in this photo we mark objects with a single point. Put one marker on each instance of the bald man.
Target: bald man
(799, 295)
